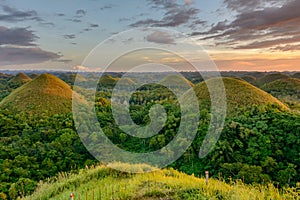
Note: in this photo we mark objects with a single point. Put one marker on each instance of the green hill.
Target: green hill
(296, 75)
(250, 79)
(33, 76)
(45, 93)
(20, 78)
(175, 80)
(108, 80)
(287, 90)
(104, 183)
(239, 94)
(272, 77)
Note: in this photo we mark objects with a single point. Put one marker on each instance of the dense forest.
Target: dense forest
(260, 142)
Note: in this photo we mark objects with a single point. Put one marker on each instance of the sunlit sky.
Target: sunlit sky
(244, 35)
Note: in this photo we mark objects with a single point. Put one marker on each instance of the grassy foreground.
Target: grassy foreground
(104, 183)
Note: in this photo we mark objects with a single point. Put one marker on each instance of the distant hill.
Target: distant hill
(250, 79)
(175, 80)
(296, 75)
(45, 93)
(287, 90)
(108, 80)
(289, 85)
(239, 94)
(33, 75)
(20, 78)
(271, 77)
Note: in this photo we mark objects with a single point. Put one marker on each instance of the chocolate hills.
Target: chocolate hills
(289, 85)
(175, 80)
(239, 94)
(44, 94)
(272, 77)
(20, 78)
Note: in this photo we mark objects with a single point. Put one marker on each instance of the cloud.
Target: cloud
(63, 60)
(80, 13)
(21, 55)
(60, 14)
(17, 36)
(69, 36)
(75, 20)
(105, 7)
(160, 37)
(175, 14)
(14, 15)
(246, 5)
(94, 25)
(255, 29)
(288, 47)
(83, 68)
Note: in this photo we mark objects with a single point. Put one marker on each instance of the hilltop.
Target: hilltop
(175, 80)
(239, 94)
(46, 93)
(272, 77)
(104, 183)
(287, 90)
(20, 78)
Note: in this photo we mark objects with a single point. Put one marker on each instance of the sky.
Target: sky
(237, 35)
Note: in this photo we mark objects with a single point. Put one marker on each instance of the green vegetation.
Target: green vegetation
(104, 183)
(287, 90)
(250, 79)
(260, 143)
(271, 77)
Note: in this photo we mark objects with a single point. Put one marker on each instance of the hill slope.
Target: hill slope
(287, 90)
(239, 94)
(45, 93)
(20, 78)
(272, 77)
(104, 183)
(175, 80)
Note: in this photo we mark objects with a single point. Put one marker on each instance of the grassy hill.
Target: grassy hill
(296, 75)
(20, 78)
(104, 183)
(239, 94)
(271, 77)
(45, 93)
(250, 79)
(287, 90)
(175, 80)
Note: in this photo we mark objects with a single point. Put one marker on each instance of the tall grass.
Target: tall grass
(101, 182)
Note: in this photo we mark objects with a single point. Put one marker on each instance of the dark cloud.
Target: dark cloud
(17, 36)
(160, 37)
(94, 25)
(263, 28)
(60, 14)
(194, 24)
(87, 29)
(80, 13)
(14, 15)
(175, 14)
(19, 56)
(69, 36)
